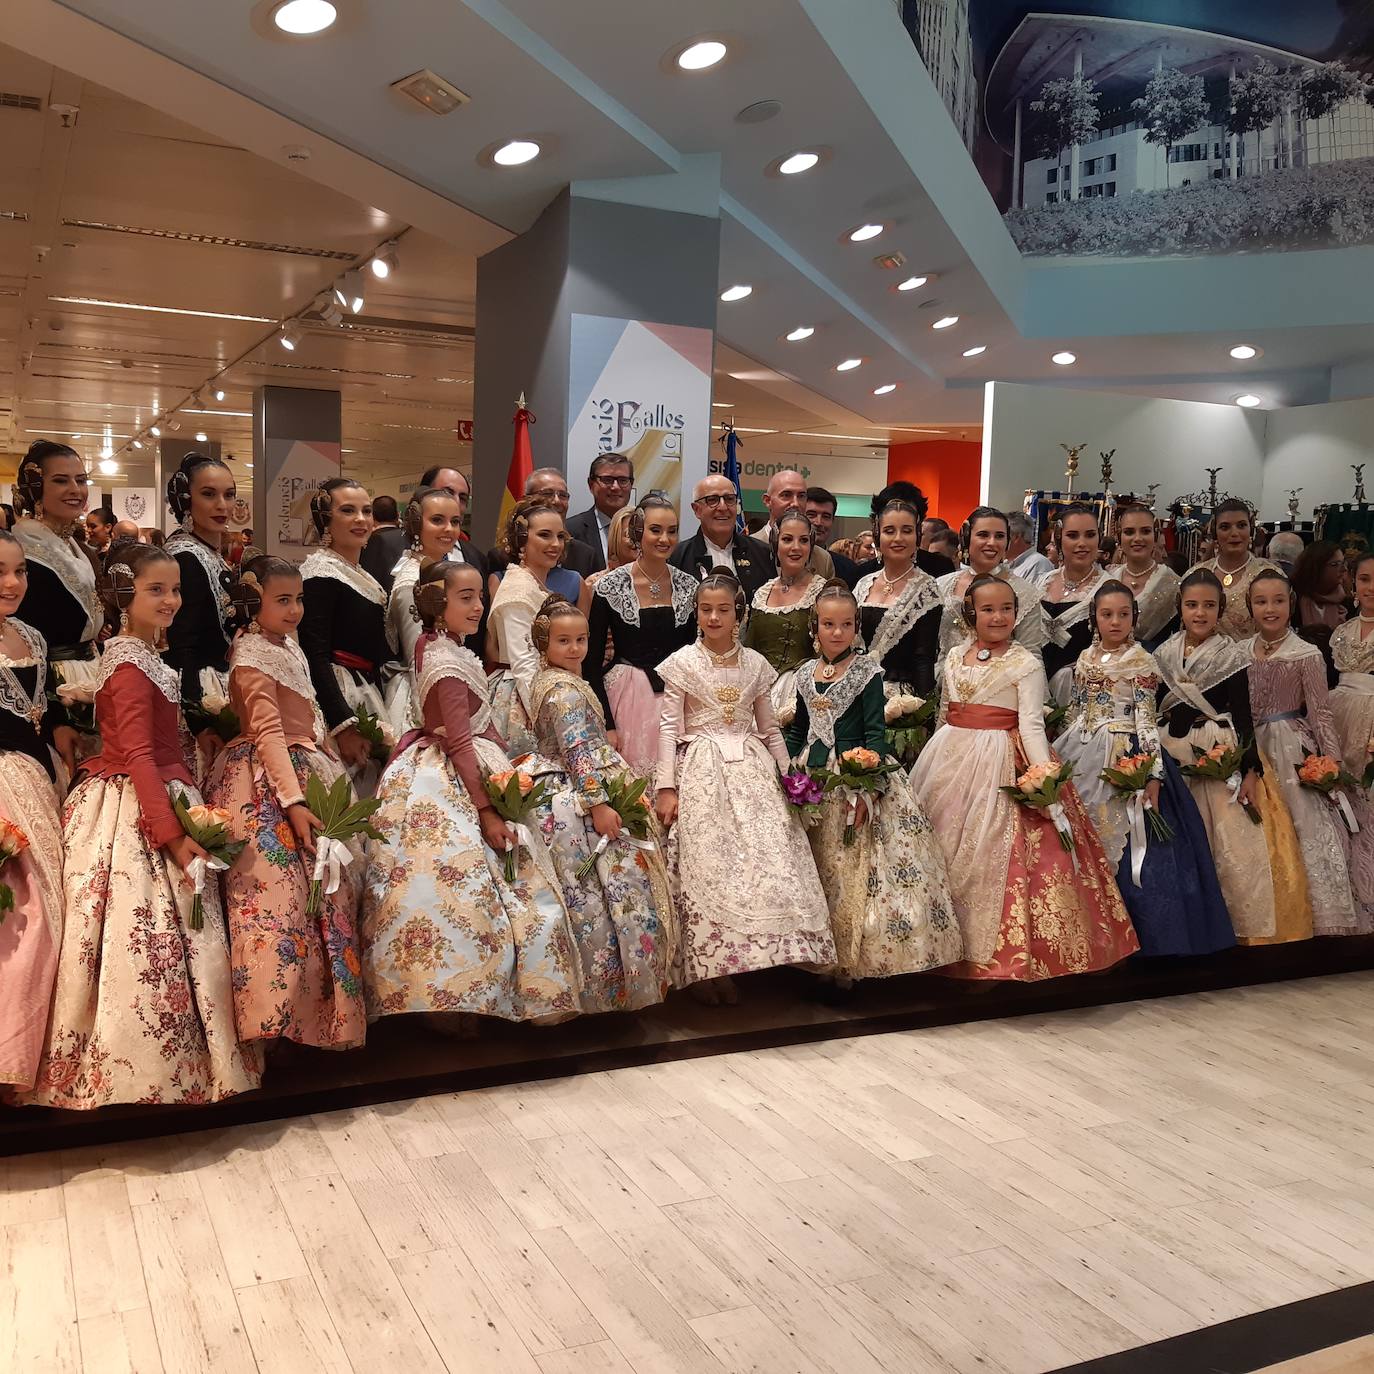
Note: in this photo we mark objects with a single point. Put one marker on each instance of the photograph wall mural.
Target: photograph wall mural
(1130, 128)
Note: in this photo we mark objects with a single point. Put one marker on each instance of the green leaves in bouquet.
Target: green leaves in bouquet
(341, 816)
(370, 728)
(213, 839)
(625, 796)
(224, 722)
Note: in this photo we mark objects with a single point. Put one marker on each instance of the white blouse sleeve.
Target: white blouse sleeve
(516, 620)
(670, 727)
(1031, 692)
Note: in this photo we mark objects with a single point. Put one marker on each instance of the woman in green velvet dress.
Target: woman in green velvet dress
(779, 625)
(887, 891)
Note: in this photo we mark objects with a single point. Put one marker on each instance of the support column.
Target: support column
(1017, 189)
(603, 315)
(297, 439)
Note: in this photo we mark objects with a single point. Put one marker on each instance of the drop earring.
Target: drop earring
(327, 539)
(816, 643)
(124, 622)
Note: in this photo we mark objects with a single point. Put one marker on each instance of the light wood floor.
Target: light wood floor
(1009, 1196)
(1355, 1357)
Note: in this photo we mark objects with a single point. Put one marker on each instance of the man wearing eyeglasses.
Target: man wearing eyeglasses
(717, 544)
(610, 480)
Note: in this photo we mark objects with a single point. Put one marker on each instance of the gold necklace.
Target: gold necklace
(1229, 577)
(720, 660)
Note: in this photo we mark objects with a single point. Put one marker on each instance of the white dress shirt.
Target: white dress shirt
(720, 558)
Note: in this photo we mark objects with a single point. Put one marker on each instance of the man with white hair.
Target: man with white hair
(1285, 548)
(786, 491)
(718, 544)
(1022, 557)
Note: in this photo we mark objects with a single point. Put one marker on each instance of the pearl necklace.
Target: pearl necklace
(1268, 647)
(1365, 619)
(1134, 580)
(890, 582)
(720, 660)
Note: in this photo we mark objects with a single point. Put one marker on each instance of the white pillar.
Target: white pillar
(1016, 169)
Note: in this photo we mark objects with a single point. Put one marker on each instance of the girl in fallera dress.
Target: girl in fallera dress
(780, 615)
(984, 538)
(622, 913)
(31, 932)
(1169, 886)
(646, 610)
(61, 602)
(296, 974)
(887, 891)
(1233, 529)
(343, 632)
(143, 1009)
(443, 932)
(433, 524)
(1066, 596)
(1154, 585)
(748, 895)
(1027, 908)
(1292, 713)
(900, 605)
(1205, 704)
(533, 540)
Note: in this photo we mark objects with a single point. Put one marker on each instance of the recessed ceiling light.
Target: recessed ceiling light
(975, 350)
(885, 388)
(1243, 352)
(302, 17)
(946, 322)
(798, 162)
(1248, 400)
(802, 331)
(912, 283)
(1064, 359)
(107, 450)
(848, 365)
(696, 57)
(736, 293)
(218, 393)
(201, 436)
(515, 153)
(865, 232)
(723, 405)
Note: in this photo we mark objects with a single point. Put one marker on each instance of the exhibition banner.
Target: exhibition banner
(644, 390)
(292, 469)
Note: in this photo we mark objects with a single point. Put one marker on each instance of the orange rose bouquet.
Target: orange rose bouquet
(1039, 787)
(208, 826)
(1222, 763)
(1131, 776)
(1323, 774)
(13, 842)
(861, 774)
(515, 795)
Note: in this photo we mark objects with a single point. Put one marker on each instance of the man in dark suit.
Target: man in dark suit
(610, 479)
(820, 511)
(386, 543)
(717, 544)
(936, 564)
(549, 484)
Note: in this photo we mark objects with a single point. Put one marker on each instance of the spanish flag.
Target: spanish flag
(521, 462)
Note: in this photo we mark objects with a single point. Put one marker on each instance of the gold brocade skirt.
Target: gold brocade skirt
(1292, 903)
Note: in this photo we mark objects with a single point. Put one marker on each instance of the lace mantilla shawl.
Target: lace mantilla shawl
(617, 587)
(1350, 653)
(979, 683)
(284, 662)
(824, 709)
(1064, 621)
(520, 587)
(548, 679)
(327, 563)
(917, 598)
(442, 658)
(124, 649)
(1158, 603)
(13, 697)
(64, 558)
(214, 566)
(760, 602)
(1188, 678)
(692, 672)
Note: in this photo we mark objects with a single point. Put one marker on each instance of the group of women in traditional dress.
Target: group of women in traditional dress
(137, 967)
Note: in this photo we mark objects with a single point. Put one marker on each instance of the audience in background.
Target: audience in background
(1285, 548)
(100, 525)
(386, 543)
(1022, 558)
(610, 480)
(820, 511)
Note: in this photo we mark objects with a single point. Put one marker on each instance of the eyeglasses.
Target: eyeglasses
(614, 481)
(717, 498)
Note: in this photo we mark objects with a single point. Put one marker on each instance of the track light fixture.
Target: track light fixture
(384, 262)
(290, 336)
(348, 291)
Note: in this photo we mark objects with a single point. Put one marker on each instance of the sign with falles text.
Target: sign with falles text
(644, 390)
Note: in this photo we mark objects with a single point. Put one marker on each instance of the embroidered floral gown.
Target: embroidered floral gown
(1030, 630)
(888, 892)
(622, 913)
(442, 929)
(1024, 910)
(1352, 716)
(1177, 907)
(31, 932)
(1293, 714)
(296, 976)
(782, 634)
(748, 896)
(1205, 701)
(143, 1010)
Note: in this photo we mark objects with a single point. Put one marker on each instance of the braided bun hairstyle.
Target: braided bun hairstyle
(837, 589)
(431, 590)
(125, 562)
(724, 580)
(1113, 587)
(28, 482)
(179, 483)
(517, 530)
(986, 580)
(322, 500)
(554, 607)
(414, 517)
(246, 590)
(655, 500)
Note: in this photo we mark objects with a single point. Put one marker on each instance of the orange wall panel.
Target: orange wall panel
(948, 471)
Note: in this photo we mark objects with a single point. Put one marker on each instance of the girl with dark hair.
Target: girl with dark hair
(1027, 908)
(1352, 649)
(1204, 699)
(887, 891)
(1233, 528)
(343, 632)
(1292, 712)
(201, 494)
(295, 974)
(984, 537)
(780, 613)
(1169, 886)
(143, 1010)
(444, 933)
(900, 605)
(622, 911)
(32, 929)
(1153, 584)
(1066, 595)
(645, 609)
(61, 602)
(748, 893)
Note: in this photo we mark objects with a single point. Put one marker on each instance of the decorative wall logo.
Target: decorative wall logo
(135, 506)
(619, 423)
